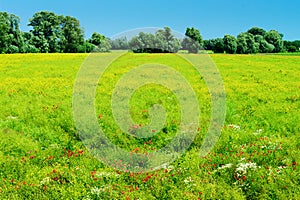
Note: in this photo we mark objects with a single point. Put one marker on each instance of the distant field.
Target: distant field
(256, 157)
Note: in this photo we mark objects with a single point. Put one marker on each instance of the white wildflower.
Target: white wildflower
(229, 165)
(243, 167)
(164, 166)
(105, 174)
(12, 117)
(257, 132)
(96, 191)
(45, 180)
(242, 159)
(188, 180)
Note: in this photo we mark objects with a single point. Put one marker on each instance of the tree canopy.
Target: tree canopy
(52, 33)
(163, 41)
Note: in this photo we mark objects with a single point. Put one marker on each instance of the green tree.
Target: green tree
(219, 46)
(256, 31)
(263, 45)
(163, 41)
(275, 38)
(209, 44)
(193, 42)
(11, 40)
(296, 43)
(73, 35)
(246, 44)
(166, 42)
(47, 31)
(191, 45)
(119, 43)
(144, 43)
(195, 35)
(291, 46)
(266, 47)
(101, 43)
(230, 44)
(29, 43)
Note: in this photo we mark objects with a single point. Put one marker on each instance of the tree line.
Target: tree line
(52, 33)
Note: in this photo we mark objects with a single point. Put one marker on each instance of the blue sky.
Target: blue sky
(213, 18)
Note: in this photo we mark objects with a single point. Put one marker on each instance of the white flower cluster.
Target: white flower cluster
(164, 166)
(188, 180)
(280, 168)
(105, 174)
(96, 191)
(44, 181)
(243, 167)
(270, 146)
(257, 132)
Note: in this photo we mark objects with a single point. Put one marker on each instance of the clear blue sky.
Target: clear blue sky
(213, 18)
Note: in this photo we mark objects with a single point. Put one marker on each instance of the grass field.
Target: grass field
(256, 157)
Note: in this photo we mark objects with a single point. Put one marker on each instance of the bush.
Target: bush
(28, 48)
(13, 49)
(219, 47)
(291, 48)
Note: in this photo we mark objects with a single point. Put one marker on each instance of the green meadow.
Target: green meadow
(256, 157)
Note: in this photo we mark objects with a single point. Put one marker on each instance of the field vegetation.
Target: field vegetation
(256, 156)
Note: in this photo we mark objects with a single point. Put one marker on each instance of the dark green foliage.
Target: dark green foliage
(219, 46)
(101, 43)
(291, 46)
(230, 44)
(73, 36)
(257, 31)
(266, 47)
(195, 35)
(275, 38)
(89, 47)
(193, 42)
(209, 44)
(11, 40)
(53, 33)
(246, 44)
(47, 31)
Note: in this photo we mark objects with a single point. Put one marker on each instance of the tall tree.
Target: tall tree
(230, 44)
(73, 36)
(11, 40)
(275, 38)
(143, 43)
(101, 43)
(246, 43)
(163, 41)
(193, 42)
(166, 42)
(46, 28)
(194, 34)
(219, 46)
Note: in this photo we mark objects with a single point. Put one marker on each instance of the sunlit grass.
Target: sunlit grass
(256, 156)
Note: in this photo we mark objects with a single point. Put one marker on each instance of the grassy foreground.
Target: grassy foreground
(256, 157)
